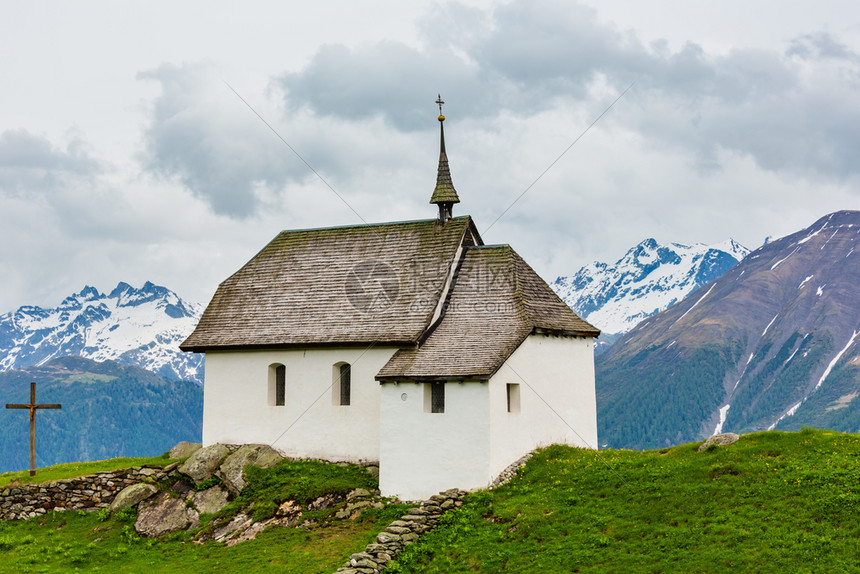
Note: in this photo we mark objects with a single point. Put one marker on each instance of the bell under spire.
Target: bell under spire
(445, 196)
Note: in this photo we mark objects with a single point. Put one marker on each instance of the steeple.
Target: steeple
(445, 196)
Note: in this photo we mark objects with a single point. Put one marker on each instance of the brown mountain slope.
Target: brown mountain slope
(752, 345)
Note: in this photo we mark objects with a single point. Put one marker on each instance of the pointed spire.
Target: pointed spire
(445, 196)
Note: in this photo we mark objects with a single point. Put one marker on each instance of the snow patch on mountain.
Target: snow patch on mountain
(649, 278)
(724, 411)
(142, 327)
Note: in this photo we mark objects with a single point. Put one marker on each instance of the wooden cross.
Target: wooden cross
(33, 406)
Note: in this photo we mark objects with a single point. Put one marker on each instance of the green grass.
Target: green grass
(72, 541)
(772, 502)
(98, 542)
(75, 469)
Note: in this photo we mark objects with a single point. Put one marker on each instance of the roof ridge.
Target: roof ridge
(368, 225)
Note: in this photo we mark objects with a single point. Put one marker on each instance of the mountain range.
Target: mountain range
(141, 327)
(108, 410)
(712, 344)
(649, 278)
(772, 343)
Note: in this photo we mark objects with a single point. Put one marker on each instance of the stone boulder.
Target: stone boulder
(232, 469)
(203, 463)
(720, 440)
(210, 501)
(239, 523)
(164, 513)
(184, 449)
(131, 495)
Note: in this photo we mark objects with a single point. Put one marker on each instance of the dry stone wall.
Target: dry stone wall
(83, 493)
(400, 533)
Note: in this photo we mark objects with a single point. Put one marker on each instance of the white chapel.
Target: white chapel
(412, 344)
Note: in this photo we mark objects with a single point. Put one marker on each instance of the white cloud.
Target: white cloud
(730, 130)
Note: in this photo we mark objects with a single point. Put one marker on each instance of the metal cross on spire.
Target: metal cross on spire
(32, 407)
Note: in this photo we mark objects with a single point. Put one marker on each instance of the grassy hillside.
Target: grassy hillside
(97, 542)
(772, 502)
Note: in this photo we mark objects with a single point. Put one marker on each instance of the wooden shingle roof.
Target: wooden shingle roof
(363, 284)
(496, 302)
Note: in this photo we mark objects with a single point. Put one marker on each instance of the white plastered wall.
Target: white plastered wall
(557, 370)
(237, 409)
(423, 453)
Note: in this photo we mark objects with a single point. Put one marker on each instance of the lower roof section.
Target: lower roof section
(496, 302)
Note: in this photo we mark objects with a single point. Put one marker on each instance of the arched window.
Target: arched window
(341, 384)
(277, 384)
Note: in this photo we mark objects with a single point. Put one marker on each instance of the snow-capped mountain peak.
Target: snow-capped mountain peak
(132, 326)
(650, 277)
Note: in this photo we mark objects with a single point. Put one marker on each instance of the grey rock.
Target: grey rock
(211, 500)
(363, 563)
(232, 469)
(414, 518)
(325, 502)
(184, 449)
(203, 463)
(181, 487)
(249, 533)
(386, 537)
(239, 523)
(358, 493)
(162, 514)
(723, 439)
(131, 495)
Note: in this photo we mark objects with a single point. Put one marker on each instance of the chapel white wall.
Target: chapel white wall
(237, 409)
(561, 371)
(422, 453)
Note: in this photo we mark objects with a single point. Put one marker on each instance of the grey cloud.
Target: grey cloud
(201, 134)
(32, 164)
(387, 79)
(820, 45)
(528, 56)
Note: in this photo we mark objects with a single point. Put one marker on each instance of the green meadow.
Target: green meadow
(771, 502)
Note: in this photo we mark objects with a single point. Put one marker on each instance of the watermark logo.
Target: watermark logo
(372, 286)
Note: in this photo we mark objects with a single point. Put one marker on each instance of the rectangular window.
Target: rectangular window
(280, 385)
(513, 391)
(345, 384)
(437, 397)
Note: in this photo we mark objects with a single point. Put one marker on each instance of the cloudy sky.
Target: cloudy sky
(126, 156)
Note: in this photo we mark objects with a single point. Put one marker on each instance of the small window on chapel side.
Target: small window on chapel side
(341, 384)
(437, 397)
(345, 384)
(277, 385)
(513, 392)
